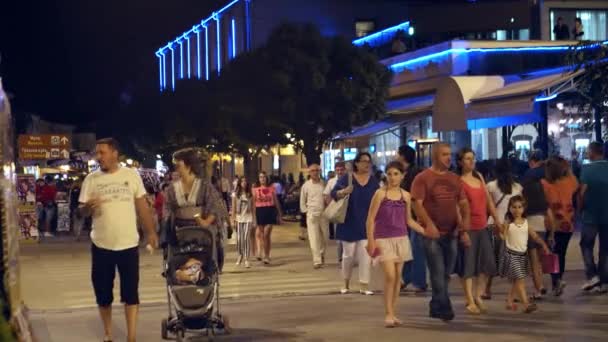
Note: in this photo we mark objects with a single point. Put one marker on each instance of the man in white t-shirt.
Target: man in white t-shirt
(312, 204)
(340, 169)
(112, 195)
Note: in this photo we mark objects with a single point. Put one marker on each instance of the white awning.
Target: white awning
(460, 100)
(454, 93)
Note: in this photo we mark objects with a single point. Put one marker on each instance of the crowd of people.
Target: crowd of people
(409, 221)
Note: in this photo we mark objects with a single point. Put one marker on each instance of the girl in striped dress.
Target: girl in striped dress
(514, 263)
(243, 216)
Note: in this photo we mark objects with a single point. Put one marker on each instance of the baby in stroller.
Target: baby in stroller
(192, 276)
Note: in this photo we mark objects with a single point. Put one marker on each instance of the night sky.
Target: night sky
(69, 61)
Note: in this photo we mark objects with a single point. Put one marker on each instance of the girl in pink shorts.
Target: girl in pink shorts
(387, 222)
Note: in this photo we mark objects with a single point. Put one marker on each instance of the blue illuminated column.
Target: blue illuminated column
(160, 69)
(198, 53)
(206, 52)
(233, 38)
(172, 67)
(247, 25)
(181, 57)
(216, 17)
(164, 71)
(188, 44)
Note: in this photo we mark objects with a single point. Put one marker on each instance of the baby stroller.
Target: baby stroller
(191, 272)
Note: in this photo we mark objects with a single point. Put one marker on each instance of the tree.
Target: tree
(322, 86)
(592, 57)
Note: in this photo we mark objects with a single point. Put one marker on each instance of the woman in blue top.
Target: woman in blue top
(352, 232)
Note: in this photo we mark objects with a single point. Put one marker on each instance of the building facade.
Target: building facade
(486, 76)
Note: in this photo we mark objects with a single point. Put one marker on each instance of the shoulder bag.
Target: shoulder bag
(336, 210)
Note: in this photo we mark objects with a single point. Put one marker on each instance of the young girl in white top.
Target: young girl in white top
(514, 264)
(243, 216)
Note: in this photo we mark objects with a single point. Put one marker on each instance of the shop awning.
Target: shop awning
(464, 103)
(370, 129)
(411, 105)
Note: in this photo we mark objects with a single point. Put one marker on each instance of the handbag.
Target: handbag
(336, 210)
(550, 263)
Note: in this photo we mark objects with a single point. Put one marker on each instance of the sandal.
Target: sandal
(511, 306)
(482, 307)
(397, 321)
(486, 296)
(530, 308)
(473, 309)
(389, 323)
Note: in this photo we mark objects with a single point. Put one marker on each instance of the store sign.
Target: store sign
(44, 146)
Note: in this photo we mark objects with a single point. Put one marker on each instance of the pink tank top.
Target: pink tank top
(391, 219)
(478, 205)
(264, 196)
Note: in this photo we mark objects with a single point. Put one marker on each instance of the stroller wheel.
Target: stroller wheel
(164, 333)
(225, 321)
(180, 335)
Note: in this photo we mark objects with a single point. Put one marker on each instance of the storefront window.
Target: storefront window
(595, 24)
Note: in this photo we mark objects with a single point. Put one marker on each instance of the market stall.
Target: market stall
(11, 303)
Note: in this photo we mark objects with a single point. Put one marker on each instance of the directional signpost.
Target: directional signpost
(44, 146)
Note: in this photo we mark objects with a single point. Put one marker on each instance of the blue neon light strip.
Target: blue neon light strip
(181, 59)
(203, 22)
(233, 39)
(219, 45)
(198, 54)
(375, 37)
(172, 67)
(188, 40)
(402, 65)
(545, 98)
(206, 53)
(160, 69)
(164, 71)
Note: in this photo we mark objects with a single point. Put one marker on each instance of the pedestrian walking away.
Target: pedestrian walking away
(514, 262)
(560, 185)
(243, 215)
(592, 204)
(387, 240)
(439, 199)
(539, 216)
(312, 204)
(114, 191)
(352, 232)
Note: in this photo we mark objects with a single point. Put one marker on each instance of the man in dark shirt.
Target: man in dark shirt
(561, 30)
(414, 272)
(438, 200)
(592, 204)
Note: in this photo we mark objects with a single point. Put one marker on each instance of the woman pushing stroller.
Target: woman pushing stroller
(192, 201)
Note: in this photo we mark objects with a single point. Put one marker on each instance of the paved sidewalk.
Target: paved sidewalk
(356, 318)
(64, 269)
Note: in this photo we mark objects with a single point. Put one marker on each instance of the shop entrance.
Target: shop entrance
(424, 152)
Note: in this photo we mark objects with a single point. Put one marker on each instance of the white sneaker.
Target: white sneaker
(591, 283)
(239, 260)
(366, 292)
(344, 291)
(247, 264)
